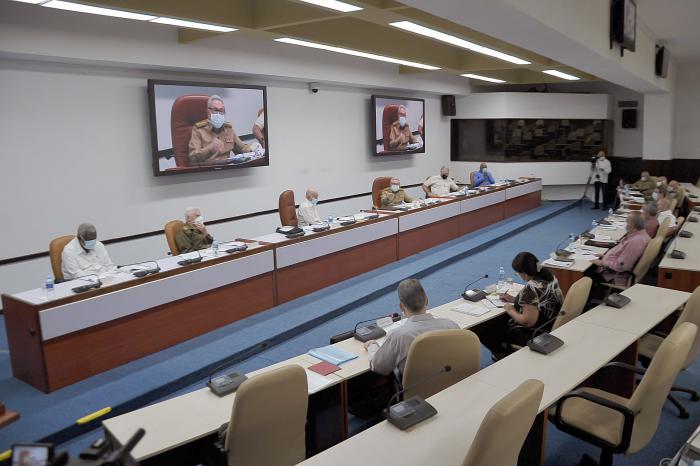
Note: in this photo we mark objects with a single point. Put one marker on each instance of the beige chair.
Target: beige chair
(503, 431)
(673, 204)
(574, 302)
(55, 251)
(663, 229)
(268, 429)
(649, 344)
(626, 425)
(171, 229)
(431, 353)
(642, 266)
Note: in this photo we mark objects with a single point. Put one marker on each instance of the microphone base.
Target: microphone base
(545, 343)
(685, 234)
(225, 384)
(370, 332)
(676, 254)
(409, 412)
(693, 219)
(474, 295)
(84, 288)
(190, 261)
(235, 249)
(617, 300)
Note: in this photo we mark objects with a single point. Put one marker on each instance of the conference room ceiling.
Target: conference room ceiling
(367, 30)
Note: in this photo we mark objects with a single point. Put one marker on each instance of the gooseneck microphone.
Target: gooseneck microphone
(474, 294)
(410, 412)
(93, 284)
(143, 272)
(227, 383)
(118, 458)
(677, 253)
(372, 331)
(192, 260)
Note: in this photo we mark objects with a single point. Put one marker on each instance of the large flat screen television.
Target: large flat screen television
(623, 23)
(200, 127)
(399, 125)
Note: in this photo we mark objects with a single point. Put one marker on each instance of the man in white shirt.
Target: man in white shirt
(601, 170)
(441, 185)
(665, 213)
(307, 213)
(391, 356)
(84, 255)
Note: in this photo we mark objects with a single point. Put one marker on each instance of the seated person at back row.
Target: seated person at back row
(400, 134)
(651, 222)
(644, 185)
(213, 139)
(615, 265)
(391, 356)
(537, 304)
(307, 213)
(394, 195)
(194, 235)
(440, 185)
(483, 177)
(665, 213)
(84, 255)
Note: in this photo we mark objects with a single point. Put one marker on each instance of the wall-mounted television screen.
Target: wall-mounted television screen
(200, 127)
(527, 140)
(399, 125)
(623, 23)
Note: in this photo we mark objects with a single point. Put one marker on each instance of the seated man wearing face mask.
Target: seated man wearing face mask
(440, 185)
(307, 213)
(394, 194)
(194, 235)
(483, 177)
(401, 135)
(214, 139)
(84, 255)
(644, 185)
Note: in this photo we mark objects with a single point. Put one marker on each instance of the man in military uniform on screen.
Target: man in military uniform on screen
(213, 139)
(401, 135)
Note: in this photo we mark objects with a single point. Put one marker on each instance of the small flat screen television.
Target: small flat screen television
(201, 127)
(399, 125)
(623, 23)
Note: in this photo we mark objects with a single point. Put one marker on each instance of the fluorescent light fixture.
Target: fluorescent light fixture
(453, 40)
(334, 5)
(192, 24)
(482, 78)
(95, 10)
(371, 56)
(33, 2)
(559, 74)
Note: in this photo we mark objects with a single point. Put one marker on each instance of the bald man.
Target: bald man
(394, 195)
(307, 213)
(441, 185)
(84, 255)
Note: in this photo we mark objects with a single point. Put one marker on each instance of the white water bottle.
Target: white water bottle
(215, 246)
(48, 287)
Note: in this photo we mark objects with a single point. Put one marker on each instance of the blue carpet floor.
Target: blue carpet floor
(179, 369)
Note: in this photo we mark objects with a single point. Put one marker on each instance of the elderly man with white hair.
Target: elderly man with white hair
(194, 235)
(307, 213)
(84, 255)
(394, 195)
(441, 185)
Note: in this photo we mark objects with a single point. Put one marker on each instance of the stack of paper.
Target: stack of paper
(332, 354)
(471, 309)
(556, 263)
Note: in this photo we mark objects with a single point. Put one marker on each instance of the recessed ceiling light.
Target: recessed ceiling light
(192, 24)
(371, 56)
(453, 40)
(482, 78)
(95, 10)
(334, 5)
(559, 74)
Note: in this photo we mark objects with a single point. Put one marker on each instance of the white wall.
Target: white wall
(533, 105)
(658, 126)
(687, 112)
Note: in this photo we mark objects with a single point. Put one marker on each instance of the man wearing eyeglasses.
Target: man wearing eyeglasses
(214, 139)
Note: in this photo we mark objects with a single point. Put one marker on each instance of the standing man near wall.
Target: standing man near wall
(601, 170)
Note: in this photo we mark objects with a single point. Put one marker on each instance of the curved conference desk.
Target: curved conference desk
(129, 318)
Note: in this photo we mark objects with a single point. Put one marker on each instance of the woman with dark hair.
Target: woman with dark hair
(537, 304)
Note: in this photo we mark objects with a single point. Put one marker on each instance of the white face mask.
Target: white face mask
(655, 195)
(394, 187)
(217, 120)
(89, 244)
(658, 183)
(199, 220)
(484, 170)
(402, 121)
(644, 178)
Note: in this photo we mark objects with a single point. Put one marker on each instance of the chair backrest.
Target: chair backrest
(287, 209)
(650, 395)
(390, 114)
(471, 179)
(691, 313)
(55, 250)
(650, 252)
(673, 204)
(663, 228)
(268, 429)
(186, 111)
(377, 186)
(171, 229)
(575, 300)
(431, 353)
(503, 431)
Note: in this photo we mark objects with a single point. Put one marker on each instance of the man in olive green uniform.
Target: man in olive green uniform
(213, 139)
(394, 195)
(194, 235)
(644, 185)
(400, 135)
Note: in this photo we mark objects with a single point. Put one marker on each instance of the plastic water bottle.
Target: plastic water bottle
(48, 287)
(627, 190)
(330, 219)
(572, 238)
(501, 277)
(610, 211)
(215, 246)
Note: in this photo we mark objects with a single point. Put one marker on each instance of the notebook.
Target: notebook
(332, 354)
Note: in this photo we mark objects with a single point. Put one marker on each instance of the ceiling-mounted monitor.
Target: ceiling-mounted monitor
(623, 23)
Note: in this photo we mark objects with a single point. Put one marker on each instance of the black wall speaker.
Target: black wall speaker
(629, 118)
(449, 105)
(661, 62)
